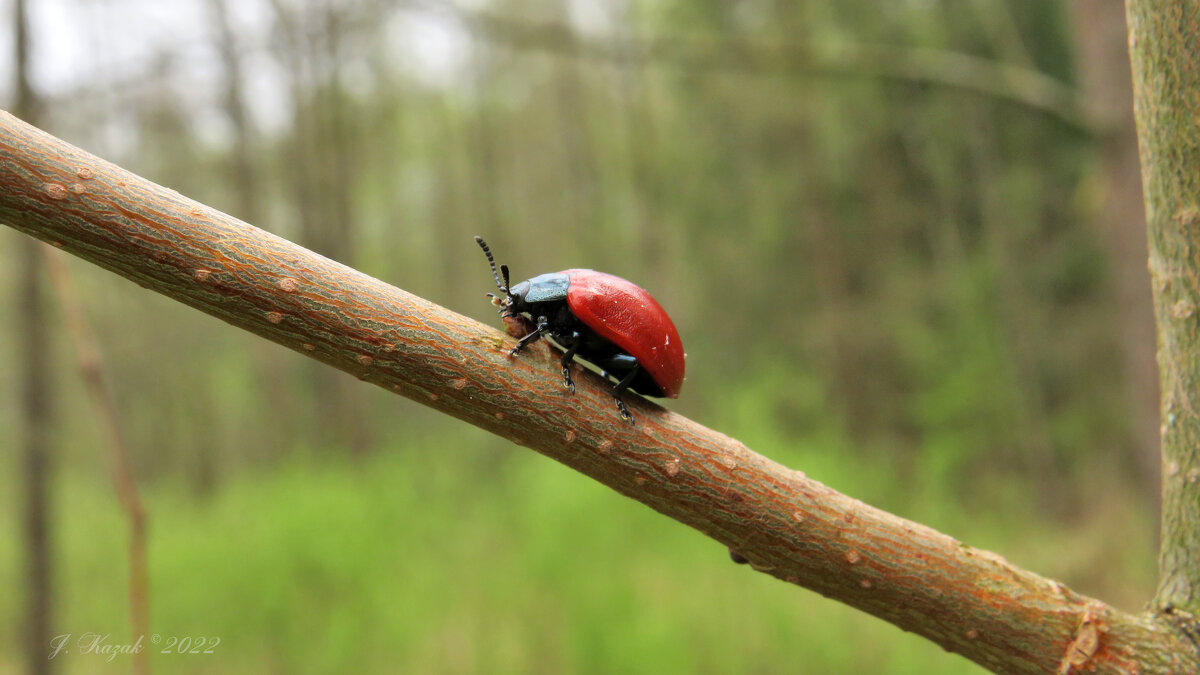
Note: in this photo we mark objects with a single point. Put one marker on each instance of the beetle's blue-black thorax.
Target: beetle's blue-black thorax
(543, 288)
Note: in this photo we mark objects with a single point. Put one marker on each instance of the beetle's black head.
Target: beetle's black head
(512, 303)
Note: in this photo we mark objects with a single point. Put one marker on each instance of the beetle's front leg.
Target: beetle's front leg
(542, 327)
(572, 343)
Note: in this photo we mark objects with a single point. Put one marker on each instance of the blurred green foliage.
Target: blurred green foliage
(891, 284)
(408, 562)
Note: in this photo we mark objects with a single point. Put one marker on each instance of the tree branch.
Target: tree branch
(968, 601)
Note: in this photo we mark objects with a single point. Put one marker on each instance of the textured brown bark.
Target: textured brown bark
(1163, 35)
(966, 600)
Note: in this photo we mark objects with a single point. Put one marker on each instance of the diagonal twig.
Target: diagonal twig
(91, 369)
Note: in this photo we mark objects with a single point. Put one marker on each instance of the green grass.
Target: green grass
(450, 558)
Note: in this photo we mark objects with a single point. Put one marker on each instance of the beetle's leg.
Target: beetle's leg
(620, 389)
(569, 356)
(542, 327)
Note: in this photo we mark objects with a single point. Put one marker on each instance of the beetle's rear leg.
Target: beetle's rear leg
(620, 389)
(542, 327)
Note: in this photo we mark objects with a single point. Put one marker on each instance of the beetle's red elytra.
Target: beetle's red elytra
(626, 315)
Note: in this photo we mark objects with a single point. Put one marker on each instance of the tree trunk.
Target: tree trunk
(36, 413)
(1163, 35)
(321, 180)
(37, 417)
(1120, 217)
(243, 179)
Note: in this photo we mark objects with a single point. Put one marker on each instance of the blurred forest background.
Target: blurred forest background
(902, 240)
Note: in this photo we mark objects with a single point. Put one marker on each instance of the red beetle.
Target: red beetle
(605, 320)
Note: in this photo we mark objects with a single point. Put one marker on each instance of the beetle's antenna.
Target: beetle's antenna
(492, 261)
(504, 271)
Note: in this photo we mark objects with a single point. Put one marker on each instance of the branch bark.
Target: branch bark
(966, 600)
(1166, 76)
